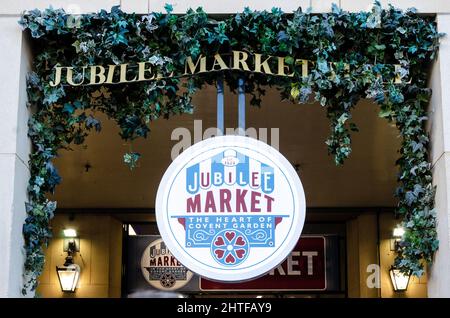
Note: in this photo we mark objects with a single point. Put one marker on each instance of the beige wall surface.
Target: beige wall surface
(362, 252)
(417, 286)
(100, 257)
(15, 7)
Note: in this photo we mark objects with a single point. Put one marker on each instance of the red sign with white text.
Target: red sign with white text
(304, 269)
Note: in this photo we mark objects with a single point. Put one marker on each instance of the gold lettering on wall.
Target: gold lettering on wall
(239, 59)
(235, 60)
(57, 81)
(70, 76)
(97, 72)
(193, 67)
(283, 68)
(110, 76)
(142, 70)
(218, 61)
(123, 74)
(264, 65)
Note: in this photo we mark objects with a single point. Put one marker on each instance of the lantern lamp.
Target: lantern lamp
(399, 279)
(69, 273)
(68, 276)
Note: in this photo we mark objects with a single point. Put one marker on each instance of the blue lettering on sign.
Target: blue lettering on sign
(230, 167)
(242, 170)
(259, 230)
(268, 178)
(192, 183)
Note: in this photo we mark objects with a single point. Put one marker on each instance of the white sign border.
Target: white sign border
(224, 141)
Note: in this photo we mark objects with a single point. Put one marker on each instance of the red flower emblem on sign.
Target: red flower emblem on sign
(230, 247)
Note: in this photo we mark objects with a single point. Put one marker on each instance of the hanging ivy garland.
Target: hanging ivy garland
(370, 42)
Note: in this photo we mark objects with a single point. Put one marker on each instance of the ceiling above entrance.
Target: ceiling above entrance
(95, 177)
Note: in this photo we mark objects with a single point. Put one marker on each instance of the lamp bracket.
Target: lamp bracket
(75, 240)
(394, 244)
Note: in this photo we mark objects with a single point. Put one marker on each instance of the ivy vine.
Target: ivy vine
(370, 42)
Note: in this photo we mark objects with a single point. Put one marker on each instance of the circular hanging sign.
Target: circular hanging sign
(230, 208)
(161, 269)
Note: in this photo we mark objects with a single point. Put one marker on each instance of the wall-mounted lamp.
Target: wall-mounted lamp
(397, 235)
(398, 232)
(69, 273)
(399, 280)
(70, 233)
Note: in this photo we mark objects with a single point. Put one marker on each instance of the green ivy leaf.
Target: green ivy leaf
(131, 159)
(68, 108)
